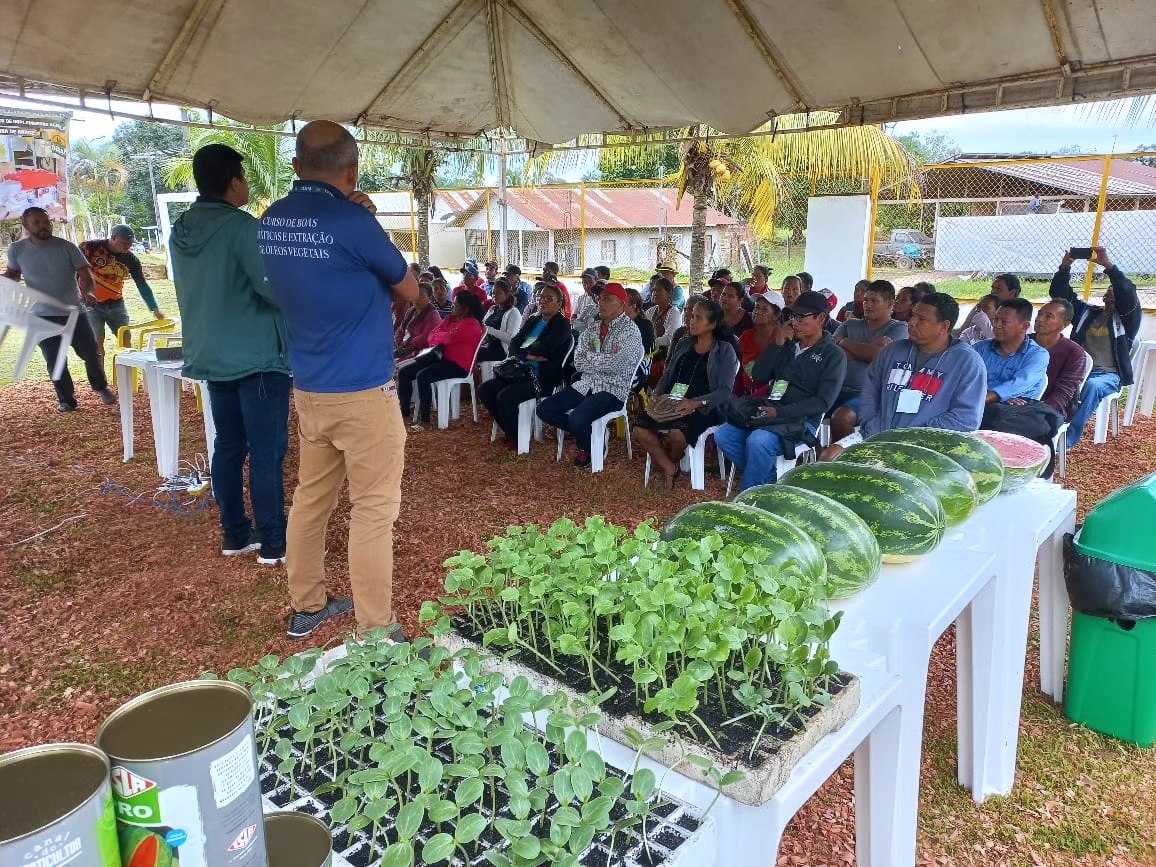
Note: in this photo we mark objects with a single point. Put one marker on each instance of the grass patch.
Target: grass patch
(104, 673)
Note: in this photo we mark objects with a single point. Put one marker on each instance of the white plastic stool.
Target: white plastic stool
(1144, 380)
(599, 442)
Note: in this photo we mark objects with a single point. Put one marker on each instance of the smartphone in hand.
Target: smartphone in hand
(1080, 253)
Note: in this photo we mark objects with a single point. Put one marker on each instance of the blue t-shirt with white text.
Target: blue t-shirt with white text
(331, 265)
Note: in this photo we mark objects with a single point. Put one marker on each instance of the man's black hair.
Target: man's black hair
(28, 212)
(1069, 311)
(1021, 306)
(883, 288)
(808, 280)
(214, 168)
(603, 271)
(1011, 281)
(665, 283)
(946, 307)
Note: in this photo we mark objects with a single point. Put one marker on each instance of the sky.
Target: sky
(1038, 130)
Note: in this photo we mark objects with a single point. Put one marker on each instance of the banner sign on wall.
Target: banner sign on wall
(33, 163)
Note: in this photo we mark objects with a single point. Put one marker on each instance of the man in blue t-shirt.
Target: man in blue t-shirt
(334, 272)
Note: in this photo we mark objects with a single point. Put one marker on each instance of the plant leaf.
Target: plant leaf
(470, 828)
(438, 849)
(398, 854)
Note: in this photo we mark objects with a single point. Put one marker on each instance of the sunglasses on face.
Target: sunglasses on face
(791, 317)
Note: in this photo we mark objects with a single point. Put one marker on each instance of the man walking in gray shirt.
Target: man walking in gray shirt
(53, 266)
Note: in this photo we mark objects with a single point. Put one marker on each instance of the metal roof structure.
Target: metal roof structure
(1079, 176)
(552, 69)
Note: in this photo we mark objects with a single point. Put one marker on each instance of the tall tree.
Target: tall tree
(657, 163)
(268, 161)
(99, 177)
(136, 140)
(929, 148)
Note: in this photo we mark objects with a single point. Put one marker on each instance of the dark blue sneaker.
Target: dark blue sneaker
(304, 623)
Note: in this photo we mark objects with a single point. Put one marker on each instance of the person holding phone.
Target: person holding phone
(1106, 332)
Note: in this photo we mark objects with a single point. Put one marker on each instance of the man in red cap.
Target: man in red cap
(607, 359)
(473, 284)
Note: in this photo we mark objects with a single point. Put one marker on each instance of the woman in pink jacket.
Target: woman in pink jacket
(453, 346)
(413, 331)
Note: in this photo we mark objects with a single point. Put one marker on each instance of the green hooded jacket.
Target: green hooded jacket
(230, 323)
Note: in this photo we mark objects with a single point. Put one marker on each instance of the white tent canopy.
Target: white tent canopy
(551, 69)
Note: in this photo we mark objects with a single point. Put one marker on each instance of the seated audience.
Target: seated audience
(607, 361)
(471, 282)
(501, 323)
(929, 379)
(645, 326)
(1105, 332)
(1067, 361)
(522, 289)
(1017, 370)
(586, 310)
(453, 344)
(754, 341)
(980, 317)
(805, 374)
(714, 288)
(442, 302)
(791, 289)
(853, 309)
(760, 275)
(412, 333)
(603, 272)
(697, 383)
(542, 344)
(862, 340)
(679, 293)
(735, 315)
(664, 316)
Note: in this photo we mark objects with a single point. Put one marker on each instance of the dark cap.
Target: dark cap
(809, 303)
(513, 269)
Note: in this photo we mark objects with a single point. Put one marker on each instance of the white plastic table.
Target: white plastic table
(901, 617)
(1021, 528)
(146, 362)
(169, 381)
(1144, 380)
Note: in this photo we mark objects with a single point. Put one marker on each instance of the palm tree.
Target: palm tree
(99, 177)
(268, 161)
(749, 175)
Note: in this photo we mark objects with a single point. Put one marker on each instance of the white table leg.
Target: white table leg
(210, 425)
(976, 686)
(124, 393)
(913, 663)
(1054, 612)
(876, 794)
(1148, 397)
(164, 404)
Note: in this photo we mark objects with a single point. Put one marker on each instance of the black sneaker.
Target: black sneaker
(303, 623)
(106, 396)
(65, 407)
(238, 547)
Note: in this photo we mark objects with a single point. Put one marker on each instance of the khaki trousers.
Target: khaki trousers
(358, 435)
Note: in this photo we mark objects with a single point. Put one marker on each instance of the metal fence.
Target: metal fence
(971, 221)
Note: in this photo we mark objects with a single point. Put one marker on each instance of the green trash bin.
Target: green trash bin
(1112, 677)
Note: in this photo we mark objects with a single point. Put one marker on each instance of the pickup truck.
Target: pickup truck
(904, 248)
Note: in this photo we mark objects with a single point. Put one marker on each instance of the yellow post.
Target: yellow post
(413, 227)
(875, 181)
(1099, 221)
(489, 230)
(582, 226)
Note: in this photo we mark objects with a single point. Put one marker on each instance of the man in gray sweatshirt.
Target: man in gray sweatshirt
(928, 380)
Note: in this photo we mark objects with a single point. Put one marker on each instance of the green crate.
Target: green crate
(1112, 677)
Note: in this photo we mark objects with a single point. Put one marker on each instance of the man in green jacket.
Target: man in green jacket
(234, 339)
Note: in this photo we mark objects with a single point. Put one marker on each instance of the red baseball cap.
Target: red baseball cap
(617, 290)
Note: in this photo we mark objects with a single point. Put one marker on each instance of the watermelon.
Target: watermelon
(746, 525)
(1023, 459)
(947, 479)
(143, 848)
(902, 512)
(967, 450)
(850, 549)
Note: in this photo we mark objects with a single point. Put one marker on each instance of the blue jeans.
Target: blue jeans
(1099, 385)
(575, 413)
(252, 419)
(755, 452)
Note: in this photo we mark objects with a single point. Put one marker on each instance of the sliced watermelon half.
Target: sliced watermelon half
(1023, 459)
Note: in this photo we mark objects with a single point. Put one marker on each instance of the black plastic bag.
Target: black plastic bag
(1101, 588)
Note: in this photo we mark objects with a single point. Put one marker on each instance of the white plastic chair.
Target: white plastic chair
(16, 305)
(1060, 443)
(807, 455)
(599, 442)
(487, 369)
(448, 394)
(1142, 356)
(1144, 380)
(694, 462)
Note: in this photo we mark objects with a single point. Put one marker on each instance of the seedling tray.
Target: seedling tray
(677, 834)
(764, 776)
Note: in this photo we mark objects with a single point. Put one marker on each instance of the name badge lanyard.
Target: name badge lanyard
(910, 399)
(679, 389)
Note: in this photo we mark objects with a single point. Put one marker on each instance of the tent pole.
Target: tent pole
(503, 229)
